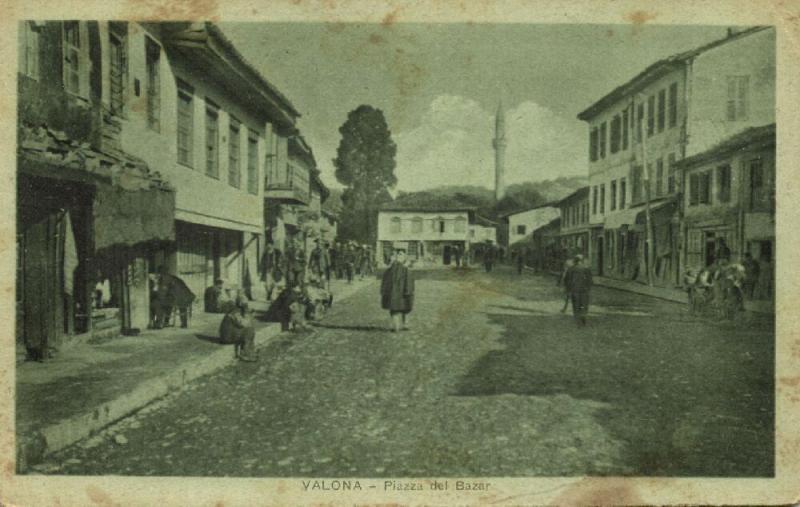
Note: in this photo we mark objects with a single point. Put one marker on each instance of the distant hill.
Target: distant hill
(518, 197)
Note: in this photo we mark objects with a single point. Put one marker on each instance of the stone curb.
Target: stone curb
(32, 448)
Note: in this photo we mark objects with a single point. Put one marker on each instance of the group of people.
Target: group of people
(723, 286)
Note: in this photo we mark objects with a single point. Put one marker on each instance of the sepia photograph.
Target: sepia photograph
(394, 256)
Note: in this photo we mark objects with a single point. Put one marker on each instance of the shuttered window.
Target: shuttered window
(234, 154)
(673, 105)
(185, 124)
(212, 140)
(662, 109)
(74, 61)
(153, 69)
(736, 104)
(252, 163)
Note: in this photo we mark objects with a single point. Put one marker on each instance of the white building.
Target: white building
(429, 235)
(521, 224)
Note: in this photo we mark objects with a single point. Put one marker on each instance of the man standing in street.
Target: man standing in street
(579, 283)
(562, 280)
(488, 257)
(397, 291)
(320, 263)
(268, 266)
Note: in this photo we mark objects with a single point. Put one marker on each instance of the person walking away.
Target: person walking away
(237, 328)
(397, 291)
(562, 281)
(488, 258)
(751, 272)
(579, 281)
(319, 264)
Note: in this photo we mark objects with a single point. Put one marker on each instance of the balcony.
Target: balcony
(290, 186)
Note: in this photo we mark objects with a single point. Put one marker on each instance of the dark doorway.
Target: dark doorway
(710, 248)
(600, 258)
(447, 254)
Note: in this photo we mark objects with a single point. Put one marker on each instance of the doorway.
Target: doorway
(600, 258)
(447, 253)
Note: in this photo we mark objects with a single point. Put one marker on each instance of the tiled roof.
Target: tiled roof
(763, 135)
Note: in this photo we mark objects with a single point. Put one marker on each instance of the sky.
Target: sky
(439, 86)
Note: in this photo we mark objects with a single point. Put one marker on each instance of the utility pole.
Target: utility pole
(648, 242)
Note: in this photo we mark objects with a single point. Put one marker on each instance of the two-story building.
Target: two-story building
(730, 199)
(574, 225)
(482, 231)
(199, 114)
(89, 212)
(521, 224)
(676, 107)
(430, 235)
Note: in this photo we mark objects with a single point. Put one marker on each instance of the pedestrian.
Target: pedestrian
(458, 253)
(562, 281)
(520, 261)
(237, 328)
(333, 254)
(268, 266)
(216, 297)
(751, 272)
(349, 261)
(766, 279)
(397, 291)
(319, 264)
(298, 264)
(488, 257)
(579, 282)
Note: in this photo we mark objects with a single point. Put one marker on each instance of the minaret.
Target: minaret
(499, 144)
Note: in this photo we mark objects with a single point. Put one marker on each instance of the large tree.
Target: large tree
(365, 166)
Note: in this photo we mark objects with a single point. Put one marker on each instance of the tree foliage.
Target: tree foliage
(365, 163)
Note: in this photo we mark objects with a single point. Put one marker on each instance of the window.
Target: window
(673, 105)
(694, 189)
(520, 230)
(602, 198)
(616, 133)
(659, 177)
(724, 183)
(594, 200)
(636, 184)
(234, 152)
(153, 85)
(625, 115)
(651, 106)
(212, 140)
(662, 109)
(603, 140)
(613, 203)
(74, 60)
(416, 224)
(622, 195)
(759, 195)
(671, 173)
(29, 49)
(252, 163)
(737, 97)
(461, 225)
(442, 227)
(704, 188)
(593, 144)
(395, 226)
(117, 36)
(639, 122)
(185, 124)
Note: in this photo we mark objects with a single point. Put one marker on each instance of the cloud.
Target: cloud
(453, 145)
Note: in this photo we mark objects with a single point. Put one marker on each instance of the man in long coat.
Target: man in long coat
(320, 264)
(397, 291)
(579, 284)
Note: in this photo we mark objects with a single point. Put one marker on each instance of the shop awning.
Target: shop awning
(636, 214)
(131, 204)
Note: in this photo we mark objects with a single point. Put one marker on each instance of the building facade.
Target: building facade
(677, 107)
(574, 225)
(522, 223)
(430, 236)
(90, 213)
(730, 201)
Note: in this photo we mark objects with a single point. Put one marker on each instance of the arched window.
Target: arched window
(396, 225)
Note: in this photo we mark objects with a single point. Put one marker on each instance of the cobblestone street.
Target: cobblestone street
(492, 380)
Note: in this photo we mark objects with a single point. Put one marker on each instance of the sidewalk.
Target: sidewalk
(88, 386)
(668, 293)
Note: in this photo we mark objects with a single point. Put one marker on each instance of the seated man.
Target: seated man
(237, 328)
(216, 297)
